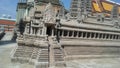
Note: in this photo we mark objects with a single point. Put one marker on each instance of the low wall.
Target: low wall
(90, 48)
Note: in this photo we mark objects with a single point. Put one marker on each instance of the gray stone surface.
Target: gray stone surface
(5, 60)
(95, 63)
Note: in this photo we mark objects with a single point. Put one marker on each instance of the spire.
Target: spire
(115, 16)
(115, 12)
(79, 18)
(88, 6)
(80, 6)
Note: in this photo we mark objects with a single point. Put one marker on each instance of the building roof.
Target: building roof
(5, 21)
(103, 6)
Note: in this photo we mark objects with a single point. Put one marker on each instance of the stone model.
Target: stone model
(52, 35)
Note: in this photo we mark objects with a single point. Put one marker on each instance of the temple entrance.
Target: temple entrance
(49, 30)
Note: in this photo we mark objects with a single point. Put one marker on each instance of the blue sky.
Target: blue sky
(8, 7)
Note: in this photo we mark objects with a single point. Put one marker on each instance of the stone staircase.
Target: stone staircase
(34, 55)
(43, 58)
(58, 54)
(19, 51)
(23, 53)
(59, 58)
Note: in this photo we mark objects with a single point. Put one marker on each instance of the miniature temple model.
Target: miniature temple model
(50, 35)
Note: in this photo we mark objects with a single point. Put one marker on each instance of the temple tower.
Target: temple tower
(21, 8)
(80, 6)
(115, 12)
(115, 16)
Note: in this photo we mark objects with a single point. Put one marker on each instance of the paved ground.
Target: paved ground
(5, 62)
(95, 63)
(6, 48)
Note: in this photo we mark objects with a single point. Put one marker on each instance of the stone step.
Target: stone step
(35, 53)
(60, 64)
(42, 60)
(42, 65)
(58, 54)
(23, 51)
(43, 56)
(57, 59)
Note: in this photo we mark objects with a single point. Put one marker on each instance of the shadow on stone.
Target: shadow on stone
(2, 35)
(6, 42)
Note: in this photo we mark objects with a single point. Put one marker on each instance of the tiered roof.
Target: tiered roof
(103, 6)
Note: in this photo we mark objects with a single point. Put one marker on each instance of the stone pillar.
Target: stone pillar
(68, 33)
(43, 31)
(34, 30)
(62, 33)
(109, 36)
(98, 37)
(118, 36)
(52, 32)
(90, 35)
(72, 33)
(31, 31)
(112, 36)
(94, 35)
(77, 34)
(115, 36)
(81, 35)
(101, 35)
(25, 32)
(105, 36)
(86, 34)
(38, 32)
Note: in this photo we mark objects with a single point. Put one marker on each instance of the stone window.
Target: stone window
(92, 35)
(96, 35)
(104, 36)
(88, 34)
(113, 36)
(65, 32)
(107, 36)
(110, 36)
(80, 33)
(84, 34)
(100, 36)
(75, 33)
(117, 37)
(70, 33)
